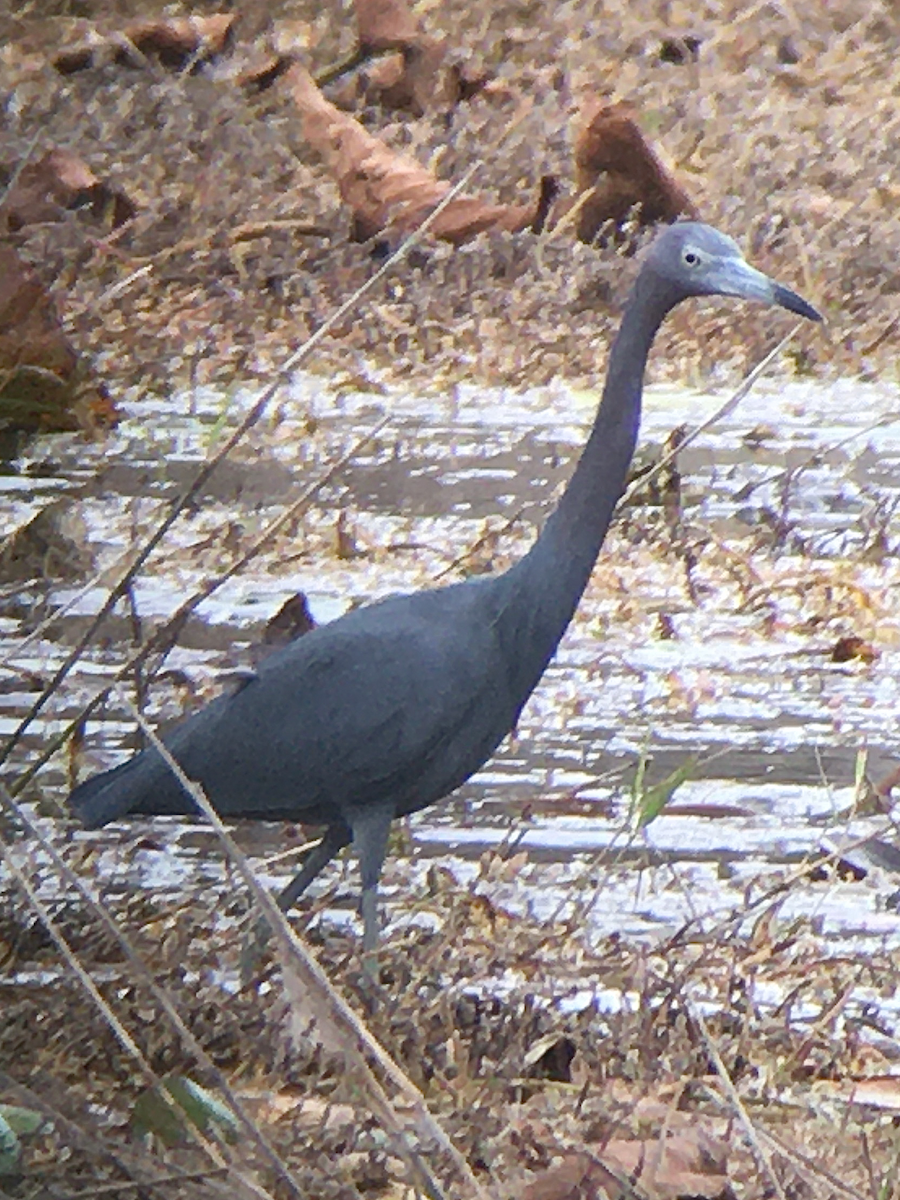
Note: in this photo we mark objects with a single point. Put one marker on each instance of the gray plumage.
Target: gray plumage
(393, 706)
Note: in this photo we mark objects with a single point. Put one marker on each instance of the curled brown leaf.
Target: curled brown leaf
(617, 171)
(175, 42)
(44, 190)
(389, 192)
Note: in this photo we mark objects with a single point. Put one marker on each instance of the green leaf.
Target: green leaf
(21, 1120)
(637, 784)
(859, 775)
(10, 1150)
(655, 799)
(193, 1105)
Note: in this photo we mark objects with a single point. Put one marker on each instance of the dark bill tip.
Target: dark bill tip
(785, 298)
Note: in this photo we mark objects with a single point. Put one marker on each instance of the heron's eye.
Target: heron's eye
(691, 258)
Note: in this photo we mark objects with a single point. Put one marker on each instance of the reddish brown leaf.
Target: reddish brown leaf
(389, 192)
(619, 169)
(852, 646)
(175, 43)
(291, 621)
(39, 384)
(261, 75)
(44, 190)
(417, 78)
(30, 329)
(414, 80)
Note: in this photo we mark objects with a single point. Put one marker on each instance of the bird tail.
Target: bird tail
(143, 784)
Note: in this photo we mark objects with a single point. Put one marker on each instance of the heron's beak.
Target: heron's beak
(735, 277)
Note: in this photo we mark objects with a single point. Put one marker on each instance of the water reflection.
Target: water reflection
(717, 643)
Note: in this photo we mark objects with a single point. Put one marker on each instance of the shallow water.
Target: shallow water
(794, 532)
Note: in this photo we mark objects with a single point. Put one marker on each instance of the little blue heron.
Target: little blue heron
(391, 707)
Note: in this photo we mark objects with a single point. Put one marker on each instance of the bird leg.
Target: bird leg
(370, 839)
(335, 838)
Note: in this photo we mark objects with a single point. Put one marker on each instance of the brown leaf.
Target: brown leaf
(260, 75)
(389, 192)
(687, 1162)
(413, 80)
(53, 544)
(59, 181)
(852, 646)
(420, 78)
(417, 78)
(385, 25)
(619, 169)
(580, 1176)
(40, 387)
(550, 1058)
(291, 621)
(876, 1091)
(175, 43)
(30, 329)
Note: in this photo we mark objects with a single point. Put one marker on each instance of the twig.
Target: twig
(166, 635)
(297, 961)
(737, 1104)
(159, 993)
(122, 1035)
(723, 411)
(800, 1161)
(256, 412)
(129, 1185)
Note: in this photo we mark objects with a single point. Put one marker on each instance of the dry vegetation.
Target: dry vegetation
(795, 158)
(783, 130)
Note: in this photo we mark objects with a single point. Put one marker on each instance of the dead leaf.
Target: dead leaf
(311, 1112)
(53, 544)
(260, 75)
(880, 1092)
(385, 25)
(43, 191)
(550, 1058)
(175, 43)
(687, 1162)
(30, 329)
(413, 80)
(292, 621)
(420, 75)
(851, 647)
(617, 169)
(41, 388)
(391, 193)
(580, 1176)
(418, 79)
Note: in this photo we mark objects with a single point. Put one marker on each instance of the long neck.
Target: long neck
(545, 586)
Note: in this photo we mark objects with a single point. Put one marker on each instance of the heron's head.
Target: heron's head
(690, 259)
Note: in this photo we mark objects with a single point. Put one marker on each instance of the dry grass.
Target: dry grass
(796, 160)
(514, 1077)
